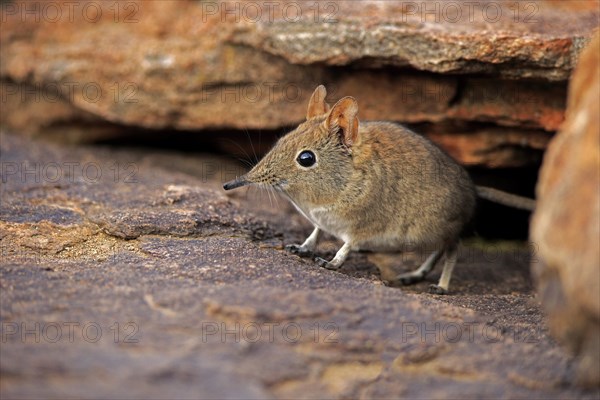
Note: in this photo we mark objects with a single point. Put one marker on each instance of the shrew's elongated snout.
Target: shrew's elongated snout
(236, 183)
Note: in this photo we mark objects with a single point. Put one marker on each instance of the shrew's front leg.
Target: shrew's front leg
(307, 248)
(338, 260)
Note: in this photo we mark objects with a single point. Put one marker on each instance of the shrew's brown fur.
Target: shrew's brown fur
(375, 185)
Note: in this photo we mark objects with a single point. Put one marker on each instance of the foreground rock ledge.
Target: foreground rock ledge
(161, 286)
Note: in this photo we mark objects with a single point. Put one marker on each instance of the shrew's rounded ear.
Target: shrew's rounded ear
(316, 104)
(343, 118)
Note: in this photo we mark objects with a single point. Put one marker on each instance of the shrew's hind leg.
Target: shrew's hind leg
(307, 248)
(338, 260)
(418, 275)
(450, 262)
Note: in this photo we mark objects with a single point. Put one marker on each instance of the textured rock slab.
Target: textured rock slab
(194, 65)
(566, 224)
(461, 37)
(152, 305)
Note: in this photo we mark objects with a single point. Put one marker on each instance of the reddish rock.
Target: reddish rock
(566, 224)
(492, 147)
(529, 40)
(202, 65)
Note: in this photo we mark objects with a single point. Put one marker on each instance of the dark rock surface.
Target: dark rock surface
(143, 280)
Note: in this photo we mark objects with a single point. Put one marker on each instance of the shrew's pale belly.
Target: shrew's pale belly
(380, 241)
(324, 219)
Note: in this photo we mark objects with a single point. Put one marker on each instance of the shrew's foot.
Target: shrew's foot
(321, 262)
(299, 250)
(435, 289)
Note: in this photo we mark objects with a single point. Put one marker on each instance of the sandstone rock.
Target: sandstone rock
(490, 147)
(460, 37)
(200, 65)
(566, 224)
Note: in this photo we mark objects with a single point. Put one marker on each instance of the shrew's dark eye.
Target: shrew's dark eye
(307, 158)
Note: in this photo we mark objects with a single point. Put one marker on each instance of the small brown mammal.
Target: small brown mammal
(374, 185)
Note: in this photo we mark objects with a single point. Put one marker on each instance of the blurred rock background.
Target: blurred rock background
(566, 224)
(489, 81)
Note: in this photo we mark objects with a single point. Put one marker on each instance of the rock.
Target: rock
(95, 72)
(566, 223)
(490, 147)
(436, 37)
(131, 274)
